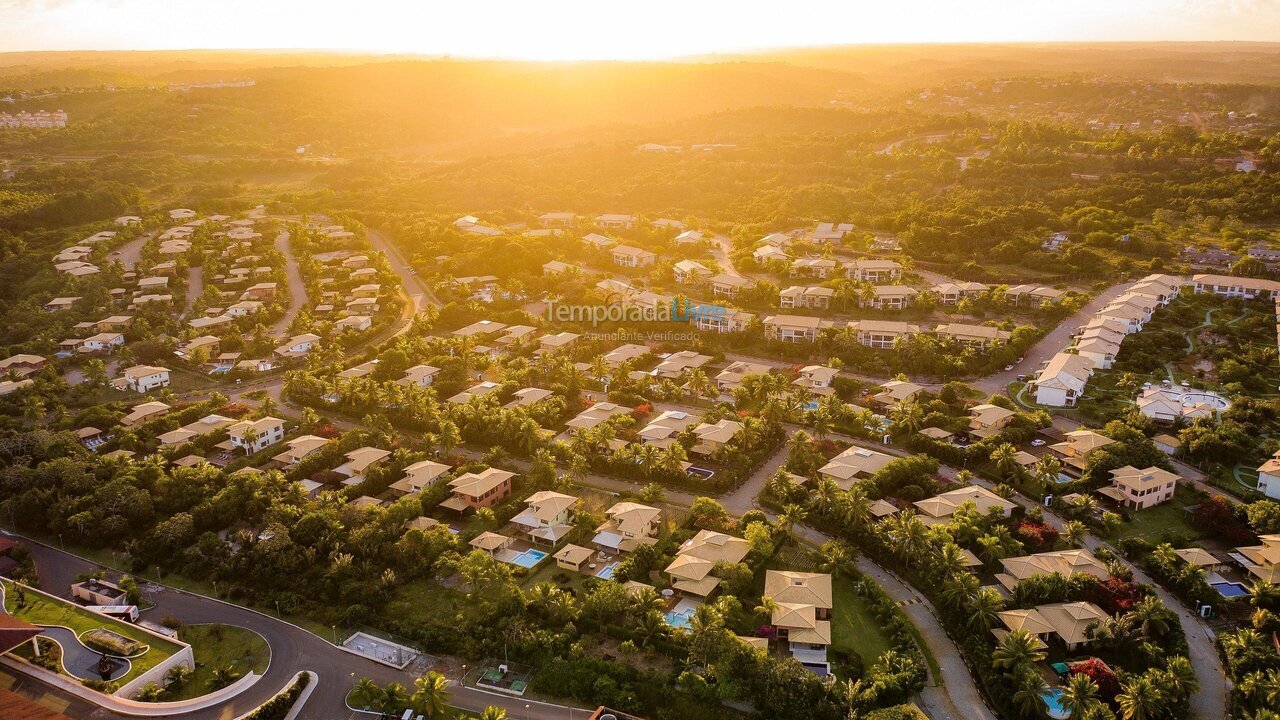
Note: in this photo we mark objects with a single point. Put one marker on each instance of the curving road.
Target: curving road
(297, 288)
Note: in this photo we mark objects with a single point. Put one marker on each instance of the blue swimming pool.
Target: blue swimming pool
(1230, 589)
(606, 572)
(529, 558)
(1053, 704)
(678, 620)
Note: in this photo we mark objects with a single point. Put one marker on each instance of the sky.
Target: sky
(610, 29)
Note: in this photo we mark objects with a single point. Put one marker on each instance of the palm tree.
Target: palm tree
(1264, 594)
(366, 694)
(959, 589)
(178, 675)
(984, 609)
(1080, 697)
(1139, 699)
(907, 415)
(1028, 698)
(698, 384)
(836, 557)
(948, 561)
(790, 517)
(1184, 676)
(1150, 617)
(1074, 532)
(854, 508)
(767, 607)
(223, 677)
(493, 713)
(395, 697)
(1016, 650)
(652, 625)
(1005, 458)
(150, 692)
(1262, 688)
(908, 536)
(1048, 468)
(431, 697)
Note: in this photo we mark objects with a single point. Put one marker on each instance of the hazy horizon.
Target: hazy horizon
(558, 30)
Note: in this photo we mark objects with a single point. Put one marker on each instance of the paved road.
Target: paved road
(297, 289)
(129, 253)
(292, 650)
(1051, 344)
(195, 286)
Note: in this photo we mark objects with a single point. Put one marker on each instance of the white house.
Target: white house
(144, 378)
(256, 435)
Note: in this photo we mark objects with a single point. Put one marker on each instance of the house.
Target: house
(728, 285)
(371, 290)
(980, 337)
(815, 267)
(816, 379)
(794, 328)
(806, 297)
(557, 219)
(1069, 621)
(1211, 256)
(662, 430)
(256, 435)
(362, 370)
(298, 345)
(555, 267)
(1140, 489)
(60, 303)
(951, 293)
(547, 516)
(801, 613)
(711, 437)
(140, 414)
(22, 364)
(478, 490)
(766, 254)
(892, 297)
(480, 389)
(1063, 562)
(1101, 351)
(625, 353)
(882, 334)
(1131, 317)
(688, 237)
(987, 420)
(690, 271)
(528, 397)
(1262, 561)
(572, 557)
(779, 240)
(516, 334)
(721, 320)
(1063, 379)
(491, 542)
(632, 257)
(893, 392)
(483, 327)
(598, 241)
(11, 386)
(1269, 477)
(102, 342)
(827, 232)
(419, 476)
(873, 270)
(355, 323)
(615, 222)
(472, 225)
(201, 348)
(1236, 287)
(558, 342)
(1074, 451)
(731, 377)
(145, 378)
(678, 363)
(115, 323)
(854, 464)
(593, 416)
(941, 507)
(204, 426)
(690, 571)
(629, 525)
(299, 449)
(260, 291)
(358, 462)
(1169, 445)
(1170, 405)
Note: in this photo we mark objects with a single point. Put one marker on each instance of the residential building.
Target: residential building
(573, 557)
(1032, 295)
(140, 414)
(298, 345)
(892, 297)
(806, 297)
(299, 449)
(662, 430)
(794, 328)
(557, 219)
(546, 518)
(768, 253)
(723, 320)
(615, 221)
(731, 377)
(358, 463)
(632, 257)
(893, 392)
(1063, 379)
(801, 613)
(22, 364)
(986, 420)
(1063, 562)
(1074, 451)
(629, 526)
(952, 293)
(1069, 621)
(690, 571)
(690, 271)
(1140, 489)
(478, 490)
(145, 378)
(882, 334)
(711, 437)
(677, 364)
(940, 508)
(1269, 477)
(256, 435)
(854, 464)
(600, 242)
(1236, 287)
(480, 328)
(814, 267)
(980, 337)
(555, 267)
(1262, 561)
(728, 285)
(873, 270)
(419, 476)
(528, 397)
(816, 379)
(356, 323)
(625, 353)
(104, 342)
(593, 416)
(1170, 405)
(558, 342)
(480, 389)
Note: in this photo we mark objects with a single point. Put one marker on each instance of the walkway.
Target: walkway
(195, 286)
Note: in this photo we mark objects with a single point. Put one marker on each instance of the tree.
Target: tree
(1080, 697)
(223, 677)
(150, 692)
(367, 694)
(493, 713)
(1016, 650)
(1139, 699)
(1074, 532)
(431, 695)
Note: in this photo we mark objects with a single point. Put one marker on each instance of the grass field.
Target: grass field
(1168, 517)
(853, 627)
(42, 610)
(219, 646)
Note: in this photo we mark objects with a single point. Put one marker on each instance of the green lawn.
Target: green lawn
(219, 646)
(853, 626)
(1168, 517)
(42, 610)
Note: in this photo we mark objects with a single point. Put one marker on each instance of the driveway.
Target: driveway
(195, 286)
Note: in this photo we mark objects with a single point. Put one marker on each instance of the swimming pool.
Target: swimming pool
(606, 572)
(1230, 589)
(528, 558)
(678, 619)
(1053, 703)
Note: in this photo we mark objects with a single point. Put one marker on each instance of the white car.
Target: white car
(1007, 368)
(1037, 442)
